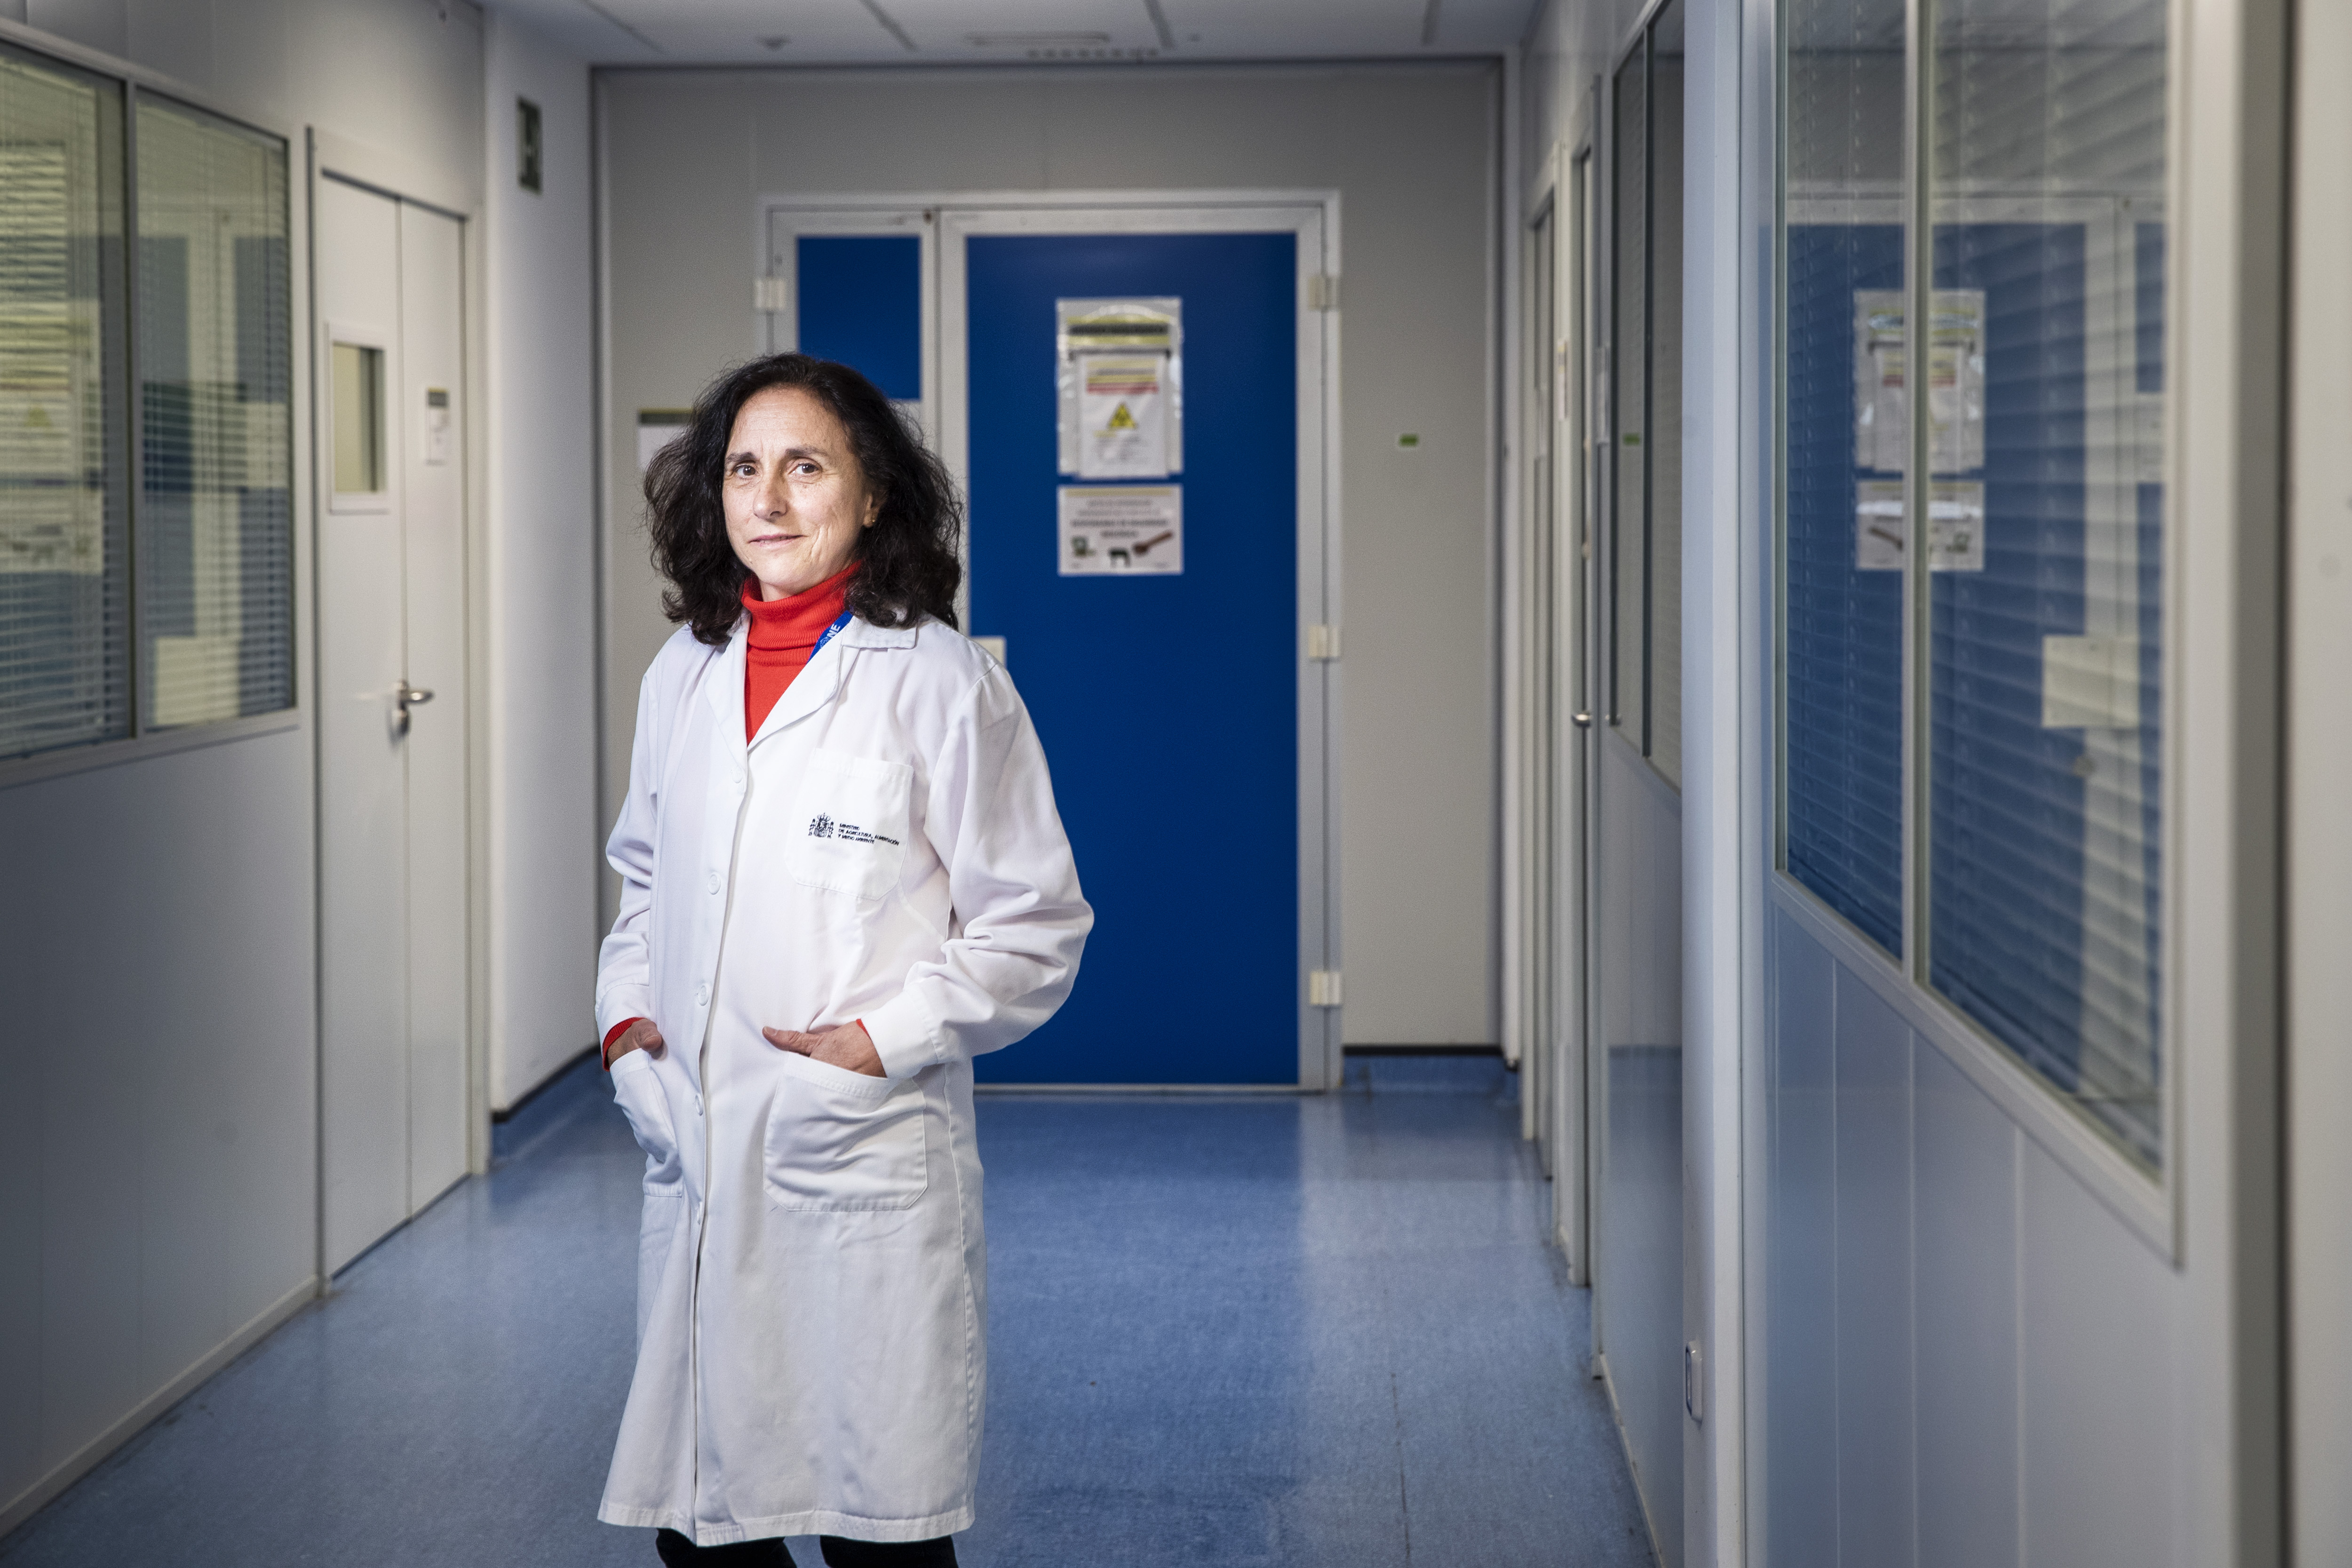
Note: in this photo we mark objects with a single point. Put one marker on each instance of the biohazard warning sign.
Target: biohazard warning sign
(1123, 416)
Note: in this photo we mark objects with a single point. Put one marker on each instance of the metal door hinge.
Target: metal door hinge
(1323, 988)
(1323, 291)
(1694, 1383)
(772, 294)
(1322, 642)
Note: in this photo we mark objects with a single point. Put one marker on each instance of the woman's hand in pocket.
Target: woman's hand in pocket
(642, 1035)
(847, 1047)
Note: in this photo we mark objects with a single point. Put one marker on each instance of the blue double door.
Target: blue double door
(1167, 702)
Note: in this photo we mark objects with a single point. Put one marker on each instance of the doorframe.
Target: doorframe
(1547, 926)
(1313, 219)
(778, 330)
(1313, 215)
(330, 156)
(2316, 1354)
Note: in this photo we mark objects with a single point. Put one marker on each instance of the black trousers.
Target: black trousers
(677, 1551)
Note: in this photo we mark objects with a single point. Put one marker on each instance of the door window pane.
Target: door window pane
(358, 403)
(2045, 387)
(64, 571)
(1847, 434)
(215, 519)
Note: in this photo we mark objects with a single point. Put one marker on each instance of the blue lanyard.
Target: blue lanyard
(847, 617)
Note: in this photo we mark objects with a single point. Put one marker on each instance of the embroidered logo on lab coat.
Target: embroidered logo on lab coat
(824, 826)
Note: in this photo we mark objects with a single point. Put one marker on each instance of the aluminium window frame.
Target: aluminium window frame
(144, 741)
(2148, 1199)
(1640, 42)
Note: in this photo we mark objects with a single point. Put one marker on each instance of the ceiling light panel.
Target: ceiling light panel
(847, 32)
(1015, 27)
(1252, 29)
(718, 31)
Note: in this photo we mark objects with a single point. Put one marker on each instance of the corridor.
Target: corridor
(1278, 1329)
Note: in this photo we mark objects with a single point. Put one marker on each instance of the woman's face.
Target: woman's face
(796, 495)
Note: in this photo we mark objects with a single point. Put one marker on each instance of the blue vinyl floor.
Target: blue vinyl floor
(1276, 1330)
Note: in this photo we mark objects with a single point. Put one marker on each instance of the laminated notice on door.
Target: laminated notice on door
(1955, 526)
(1882, 373)
(1120, 364)
(1126, 529)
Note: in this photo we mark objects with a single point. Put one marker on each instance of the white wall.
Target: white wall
(1411, 149)
(538, 320)
(157, 943)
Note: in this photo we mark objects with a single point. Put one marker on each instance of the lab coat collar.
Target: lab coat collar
(864, 633)
(816, 685)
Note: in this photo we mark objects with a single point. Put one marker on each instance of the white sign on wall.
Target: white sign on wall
(657, 428)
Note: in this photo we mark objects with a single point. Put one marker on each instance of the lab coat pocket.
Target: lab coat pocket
(840, 1140)
(849, 826)
(639, 1088)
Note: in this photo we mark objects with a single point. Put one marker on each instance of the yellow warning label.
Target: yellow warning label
(1120, 419)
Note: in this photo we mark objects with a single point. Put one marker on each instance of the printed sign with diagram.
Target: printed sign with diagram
(1122, 531)
(1955, 526)
(1120, 368)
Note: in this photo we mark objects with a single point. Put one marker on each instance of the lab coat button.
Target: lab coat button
(711, 881)
(697, 1105)
(702, 995)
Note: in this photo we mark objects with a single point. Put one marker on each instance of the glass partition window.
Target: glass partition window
(1972, 530)
(1846, 440)
(1629, 187)
(215, 512)
(65, 603)
(181, 293)
(2045, 430)
(1645, 372)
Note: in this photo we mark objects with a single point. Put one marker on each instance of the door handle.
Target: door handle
(404, 698)
(1583, 720)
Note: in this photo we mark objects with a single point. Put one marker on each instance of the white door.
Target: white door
(391, 729)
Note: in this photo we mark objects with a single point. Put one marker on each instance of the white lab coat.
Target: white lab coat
(811, 1275)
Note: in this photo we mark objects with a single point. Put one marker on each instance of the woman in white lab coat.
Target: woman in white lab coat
(842, 878)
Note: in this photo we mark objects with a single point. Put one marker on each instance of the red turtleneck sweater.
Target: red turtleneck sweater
(783, 635)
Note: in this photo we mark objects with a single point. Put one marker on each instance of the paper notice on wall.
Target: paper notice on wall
(657, 428)
(1127, 531)
(1123, 416)
(1955, 526)
(1955, 363)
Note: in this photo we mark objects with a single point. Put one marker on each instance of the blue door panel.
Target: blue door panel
(861, 302)
(1168, 705)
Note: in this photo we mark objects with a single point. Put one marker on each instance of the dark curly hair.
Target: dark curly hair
(906, 560)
